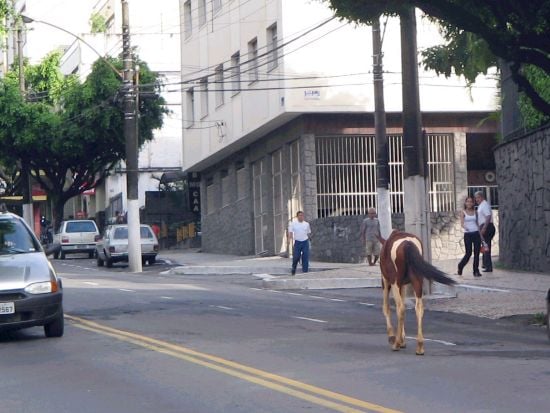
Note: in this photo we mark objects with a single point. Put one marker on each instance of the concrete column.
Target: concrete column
(308, 175)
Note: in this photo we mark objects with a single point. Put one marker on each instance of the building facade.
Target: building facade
(278, 108)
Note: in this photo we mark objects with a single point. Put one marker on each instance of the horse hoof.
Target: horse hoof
(403, 345)
(418, 353)
(391, 339)
(396, 348)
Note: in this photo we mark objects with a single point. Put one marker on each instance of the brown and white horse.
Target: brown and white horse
(401, 263)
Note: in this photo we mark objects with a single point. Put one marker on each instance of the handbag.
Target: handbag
(484, 247)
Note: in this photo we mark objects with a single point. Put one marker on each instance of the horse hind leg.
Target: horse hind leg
(419, 308)
(400, 307)
(386, 310)
(402, 332)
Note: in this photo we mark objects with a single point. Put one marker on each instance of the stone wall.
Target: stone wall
(523, 175)
(337, 239)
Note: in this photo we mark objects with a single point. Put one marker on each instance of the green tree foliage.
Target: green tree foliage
(532, 117)
(70, 133)
(514, 31)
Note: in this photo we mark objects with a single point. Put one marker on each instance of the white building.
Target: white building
(154, 33)
(278, 105)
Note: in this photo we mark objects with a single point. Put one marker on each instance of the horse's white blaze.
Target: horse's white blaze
(397, 243)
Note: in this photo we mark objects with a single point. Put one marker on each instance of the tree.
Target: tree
(514, 31)
(71, 133)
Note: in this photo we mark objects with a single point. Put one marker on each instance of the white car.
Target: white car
(75, 236)
(113, 246)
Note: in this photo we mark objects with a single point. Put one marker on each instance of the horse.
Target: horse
(401, 263)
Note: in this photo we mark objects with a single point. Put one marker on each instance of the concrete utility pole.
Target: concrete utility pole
(415, 198)
(382, 171)
(130, 133)
(25, 172)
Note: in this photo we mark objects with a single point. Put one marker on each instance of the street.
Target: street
(167, 343)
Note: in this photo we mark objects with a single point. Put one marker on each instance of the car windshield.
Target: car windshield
(122, 233)
(15, 238)
(82, 226)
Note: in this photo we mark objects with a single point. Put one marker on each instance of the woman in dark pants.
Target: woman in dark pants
(472, 238)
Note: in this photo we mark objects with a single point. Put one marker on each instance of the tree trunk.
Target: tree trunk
(58, 208)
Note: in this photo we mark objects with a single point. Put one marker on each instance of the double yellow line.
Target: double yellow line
(316, 395)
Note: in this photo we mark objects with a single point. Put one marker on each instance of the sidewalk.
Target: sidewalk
(494, 295)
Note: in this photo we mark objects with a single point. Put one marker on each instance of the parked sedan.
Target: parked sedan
(74, 237)
(31, 294)
(113, 246)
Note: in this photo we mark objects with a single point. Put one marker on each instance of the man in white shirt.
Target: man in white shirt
(299, 231)
(486, 228)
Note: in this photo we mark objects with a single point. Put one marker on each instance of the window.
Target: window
(189, 107)
(272, 47)
(253, 60)
(80, 226)
(204, 96)
(216, 5)
(236, 73)
(226, 193)
(187, 19)
(441, 172)
(219, 85)
(241, 180)
(202, 12)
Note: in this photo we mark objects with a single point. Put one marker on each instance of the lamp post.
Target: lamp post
(130, 133)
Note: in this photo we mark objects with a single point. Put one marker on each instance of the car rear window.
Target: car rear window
(83, 226)
(15, 238)
(122, 233)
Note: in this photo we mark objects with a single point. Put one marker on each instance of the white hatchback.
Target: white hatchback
(75, 236)
(113, 246)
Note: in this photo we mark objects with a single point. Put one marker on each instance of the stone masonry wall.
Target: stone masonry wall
(337, 239)
(523, 175)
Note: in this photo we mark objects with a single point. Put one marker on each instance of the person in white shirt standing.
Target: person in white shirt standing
(486, 228)
(299, 231)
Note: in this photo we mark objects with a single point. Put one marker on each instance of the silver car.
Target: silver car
(31, 294)
(74, 237)
(113, 246)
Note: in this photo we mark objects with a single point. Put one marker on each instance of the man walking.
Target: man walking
(298, 231)
(370, 231)
(486, 228)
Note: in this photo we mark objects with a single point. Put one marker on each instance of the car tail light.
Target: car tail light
(111, 249)
(156, 247)
(64, 240)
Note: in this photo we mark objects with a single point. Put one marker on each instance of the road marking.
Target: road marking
(445, 343)
(274, 291)
(316, 296)
(126, 290)
(294, 294)
(166, 297)
(311, 319)
(337, 299)
(90, 283)
(257, 289)
(367, 304)
(222, 307)
(315, 395)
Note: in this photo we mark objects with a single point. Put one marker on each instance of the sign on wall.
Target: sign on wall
(194, 184)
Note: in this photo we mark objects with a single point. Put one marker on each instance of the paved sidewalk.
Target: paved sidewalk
(494, 295)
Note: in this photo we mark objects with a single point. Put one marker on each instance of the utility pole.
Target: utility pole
(130, 133)
(382, 172)
(25, 171)
(415, 200)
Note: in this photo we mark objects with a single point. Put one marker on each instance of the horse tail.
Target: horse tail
(419, 267)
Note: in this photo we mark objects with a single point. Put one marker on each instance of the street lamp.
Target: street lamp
(130, 133)
(27, 20)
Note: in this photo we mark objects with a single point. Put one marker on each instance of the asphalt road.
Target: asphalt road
(163, 343)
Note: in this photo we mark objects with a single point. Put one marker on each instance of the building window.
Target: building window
(204, 96)
(253, 60)
(187, 19)
(346, 174)
(216, 5)
(202, 12)
(190, 107)
(219, 85)
(272, 47)
(210, 195)
(236, 73)
(441, 172)
(226, 193)
(241, 180)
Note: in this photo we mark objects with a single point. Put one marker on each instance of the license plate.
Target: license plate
(7, 308)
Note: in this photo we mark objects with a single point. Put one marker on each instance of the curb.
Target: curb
(226, 270)
(320, 283)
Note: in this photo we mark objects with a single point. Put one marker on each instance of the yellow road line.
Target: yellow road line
(260, 377)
